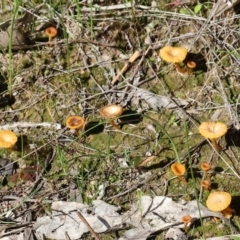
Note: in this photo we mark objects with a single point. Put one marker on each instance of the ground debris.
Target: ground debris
(175, 234)
(19, 36)
(146, 216)
(157, 102)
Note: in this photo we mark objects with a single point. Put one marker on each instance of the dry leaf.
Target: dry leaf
(146, 162)
(19, 36)
(143, 217)
(25, 174)
(157, 102)
(6, 167)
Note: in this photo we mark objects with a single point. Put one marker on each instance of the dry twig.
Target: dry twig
(88, 225)
(126, 66)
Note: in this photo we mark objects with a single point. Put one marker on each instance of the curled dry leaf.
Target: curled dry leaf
(142, 217)
(175, 234)
(17, 32)
(146, 162)
(157, 102)
(25, 174)
(6, 167)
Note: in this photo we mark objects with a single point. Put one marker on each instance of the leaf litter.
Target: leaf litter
(144, 217)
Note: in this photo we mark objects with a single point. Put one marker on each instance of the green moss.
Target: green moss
(210, 229)
(55, 84)
(99, 75)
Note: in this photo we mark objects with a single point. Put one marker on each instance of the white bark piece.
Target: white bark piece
(56, 126)
(146, 216)
(157, 102)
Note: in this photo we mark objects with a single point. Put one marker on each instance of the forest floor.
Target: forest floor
(43, 83)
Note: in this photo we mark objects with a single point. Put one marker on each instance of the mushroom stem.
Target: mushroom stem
(180, 70)
(186, 228)
(182, 179)
(76, 132)
(189, 71)
(114, 124)
(228, 212)
(216, 145)
(50, 42)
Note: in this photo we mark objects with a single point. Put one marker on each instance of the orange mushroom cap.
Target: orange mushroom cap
(212, 130)
(191, 64)
(178, 169)
(186, 219)
(205, 166)
(205, 184)
(51, 31)
(111, 111)
(7, 139)
(75, 122)
(173, 54)
(218, 201)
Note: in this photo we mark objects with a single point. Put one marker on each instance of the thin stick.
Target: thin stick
(148, 179)
(67, 236)
(125, 67)
(88, 225)
(57, 126)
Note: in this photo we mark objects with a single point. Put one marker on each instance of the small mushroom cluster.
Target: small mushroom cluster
(218, 201)
(177, 55)
(110, 112)
(205, 182)
(179, 170)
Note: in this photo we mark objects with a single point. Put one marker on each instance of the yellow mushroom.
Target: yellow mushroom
(7, 139)
(218, 201)
(213, 131)
(111, 112)
(174, 55)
